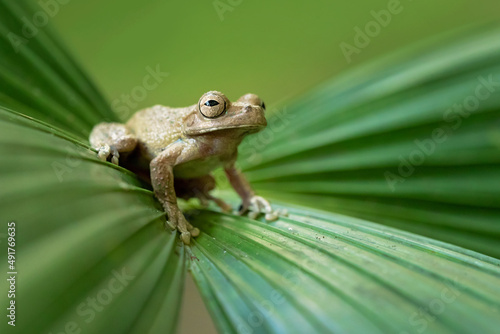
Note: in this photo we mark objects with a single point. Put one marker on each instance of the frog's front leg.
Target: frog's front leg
(111, 139)
(162, 179)
(255, 204)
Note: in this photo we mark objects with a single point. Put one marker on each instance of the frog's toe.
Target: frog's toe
(103, 152)
(171, 225)
(115, 155)
(253, 214)
(195, 232)
(186, 238)
(114, 160)
(259, 204)
(272, 216)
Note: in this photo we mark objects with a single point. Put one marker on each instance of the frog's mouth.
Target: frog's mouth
(249, 120)
(247, 129)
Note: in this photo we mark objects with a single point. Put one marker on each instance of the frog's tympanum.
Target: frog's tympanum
(177, 149)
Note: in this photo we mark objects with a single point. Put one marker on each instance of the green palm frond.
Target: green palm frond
(38, 76)
(81, 224)
(414, 144)
(325, 273)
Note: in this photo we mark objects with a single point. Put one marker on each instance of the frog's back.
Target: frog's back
(156, 128)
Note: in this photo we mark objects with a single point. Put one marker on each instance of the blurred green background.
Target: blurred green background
(277, 49)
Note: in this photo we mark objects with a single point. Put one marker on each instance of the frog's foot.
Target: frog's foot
(177, 221)
(193, 230)
(221, 204)
(256, 205)
(106, 151)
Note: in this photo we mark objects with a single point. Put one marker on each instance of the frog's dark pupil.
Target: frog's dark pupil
(211, 103)
(263, 105)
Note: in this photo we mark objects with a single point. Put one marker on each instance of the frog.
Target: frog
(177, 150)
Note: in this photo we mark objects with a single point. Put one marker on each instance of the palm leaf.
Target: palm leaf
(39, 76)
(83, 226)
(81, 223)
(325, 273)
(340, 147)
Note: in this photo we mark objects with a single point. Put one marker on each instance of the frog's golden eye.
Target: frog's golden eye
(212, 105)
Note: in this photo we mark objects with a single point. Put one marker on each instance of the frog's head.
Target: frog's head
(214, 112)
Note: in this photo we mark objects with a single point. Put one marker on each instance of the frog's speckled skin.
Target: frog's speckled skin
(188, 143)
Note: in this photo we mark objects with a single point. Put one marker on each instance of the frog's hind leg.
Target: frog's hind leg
(200, 188)
(225, 207)
(111, 139)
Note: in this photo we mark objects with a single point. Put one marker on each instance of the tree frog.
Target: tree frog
(176, 149)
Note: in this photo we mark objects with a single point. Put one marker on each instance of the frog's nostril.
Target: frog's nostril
(247, 108)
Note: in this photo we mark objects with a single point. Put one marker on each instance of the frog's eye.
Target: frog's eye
(212, 105)
(263, 105)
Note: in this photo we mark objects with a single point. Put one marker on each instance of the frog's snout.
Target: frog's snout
(247, 115)
(252, 99)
